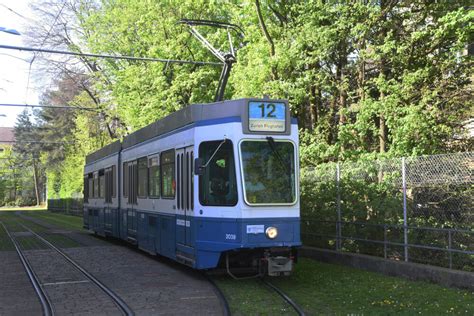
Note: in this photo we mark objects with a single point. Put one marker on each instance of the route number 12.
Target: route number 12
(269, 109)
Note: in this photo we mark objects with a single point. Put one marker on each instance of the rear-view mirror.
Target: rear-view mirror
(198, 166)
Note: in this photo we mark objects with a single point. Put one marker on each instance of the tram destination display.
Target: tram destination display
(267, 116)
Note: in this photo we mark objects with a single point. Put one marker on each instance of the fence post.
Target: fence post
(450, 243)
(405, 228)
(338, 204)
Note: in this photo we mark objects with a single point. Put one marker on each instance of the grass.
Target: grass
(23, 208)
(13, 222)
(60, 220)
(329, 289)
(252, 297)
(333, 289)
(5, 242)
(61, 241)
(30, 243)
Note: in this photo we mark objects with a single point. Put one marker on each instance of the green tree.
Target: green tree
(365, 79)
(27, 149)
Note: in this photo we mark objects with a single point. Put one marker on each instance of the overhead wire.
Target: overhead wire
(50, 106)
(51, 51)
(32, 142)
(14, 12)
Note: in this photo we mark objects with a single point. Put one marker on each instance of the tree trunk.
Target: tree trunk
(385, 73)
(302, 117)
(342, 93)
(35, 176)
(361, 78)
(383, 135)
(267, 36)
(264, 28)
(14, 184)
(333, 117)
(313, 106)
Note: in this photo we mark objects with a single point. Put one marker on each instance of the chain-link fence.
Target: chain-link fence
(414, 209)
(71, 206)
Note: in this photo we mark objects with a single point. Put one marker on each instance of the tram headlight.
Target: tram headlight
(271, 232)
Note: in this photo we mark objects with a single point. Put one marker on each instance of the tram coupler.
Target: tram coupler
(278, 265)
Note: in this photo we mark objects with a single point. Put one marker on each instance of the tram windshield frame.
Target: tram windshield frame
(267, 167)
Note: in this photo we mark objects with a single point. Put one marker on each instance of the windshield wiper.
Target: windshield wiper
(271, 143)
(215, 152)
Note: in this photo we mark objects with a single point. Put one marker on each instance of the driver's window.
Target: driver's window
(217, 186)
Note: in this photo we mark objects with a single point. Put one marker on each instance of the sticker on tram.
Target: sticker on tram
(255, 229)
(267, 116)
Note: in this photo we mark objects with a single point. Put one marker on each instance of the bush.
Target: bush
(25, 201)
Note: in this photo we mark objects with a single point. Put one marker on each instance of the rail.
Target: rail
(45, 303)
(220, 296)
(295, 306)
(121, 304)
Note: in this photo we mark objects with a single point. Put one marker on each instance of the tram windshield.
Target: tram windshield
(268, 168)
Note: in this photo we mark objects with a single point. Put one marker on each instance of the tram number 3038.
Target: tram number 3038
(230, 236)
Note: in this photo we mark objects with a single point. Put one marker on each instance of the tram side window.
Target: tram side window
(154, 177)
(168, 181)
(109, 184)
(114, 182)
(96, 185)
(101, 183)
(90, 186)
(86, 189)
(218, 185)
(125, 179)
(142, 177)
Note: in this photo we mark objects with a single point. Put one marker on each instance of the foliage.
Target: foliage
(17, 185)
(27, 150)
(360, 77)
(365, 79)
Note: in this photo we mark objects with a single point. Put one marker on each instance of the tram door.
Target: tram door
(132, 201)
(184, 195)
(109, 182)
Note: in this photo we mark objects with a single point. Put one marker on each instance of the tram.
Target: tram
(212, 185)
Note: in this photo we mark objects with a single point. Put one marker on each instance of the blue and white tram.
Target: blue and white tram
(210, 185)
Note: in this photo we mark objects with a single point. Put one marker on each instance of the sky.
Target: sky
(14, 65)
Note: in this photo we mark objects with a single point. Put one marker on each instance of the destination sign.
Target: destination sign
(267, 116)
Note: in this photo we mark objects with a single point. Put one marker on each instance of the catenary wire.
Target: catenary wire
(49, 106)
(51, 51)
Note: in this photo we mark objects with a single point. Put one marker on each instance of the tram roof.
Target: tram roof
(108, 150)
(188, 115)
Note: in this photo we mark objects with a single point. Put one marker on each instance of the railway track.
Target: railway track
(287, 299)
(46, 305)
(220, 295)
(42, 287)
(298, 309)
